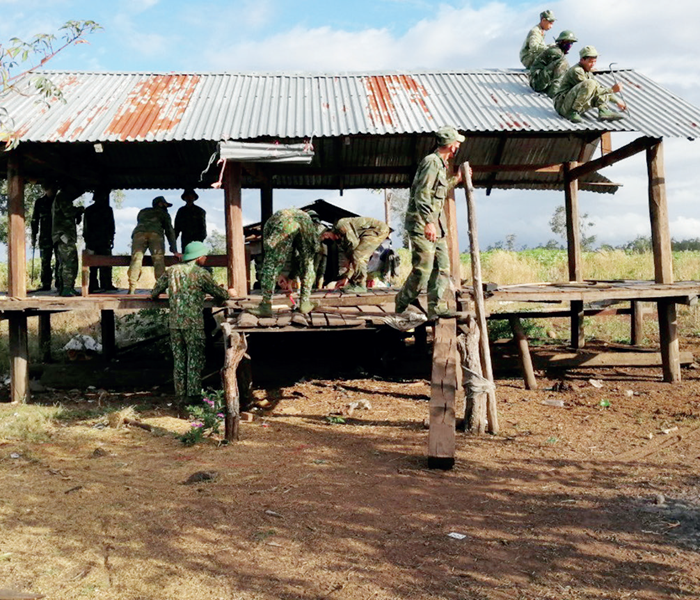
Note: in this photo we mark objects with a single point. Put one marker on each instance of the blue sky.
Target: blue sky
(362, 35)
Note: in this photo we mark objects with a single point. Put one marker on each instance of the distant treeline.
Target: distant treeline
(638, 245)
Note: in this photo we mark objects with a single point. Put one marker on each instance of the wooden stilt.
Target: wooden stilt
(45, 336)
(453, 240)
(573, 245)
(235, 346)
(637, 323)
(19, 357)
(108, 329)
(523, 353)
(475, 405)
(668, 336)
(235, 240)
(578, 333)
(479, 296)
(441, 437)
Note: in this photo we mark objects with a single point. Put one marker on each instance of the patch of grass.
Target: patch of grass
(28, 423)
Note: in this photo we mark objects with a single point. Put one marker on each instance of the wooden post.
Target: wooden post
(479, 296)
(637, 323)
(663, 262)
(453, 240)
(45, 336)
(387, 207)
(107, 326)
(475, 405)
(441, 437)
(235, 240)
(235, 346)
(265, 203)
(573, 246)
(523, 353)
(19, 358)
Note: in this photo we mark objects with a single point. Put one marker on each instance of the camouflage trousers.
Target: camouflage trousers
(46, 251)
(188, 361)
(431, 269)
(546, 80)
(281, 247)
(67, 265)
(589, 93)
(369, 242)
(140, 242)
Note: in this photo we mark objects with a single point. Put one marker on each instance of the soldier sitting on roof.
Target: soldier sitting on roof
(534, 42)
(579, 90)
(551, 65)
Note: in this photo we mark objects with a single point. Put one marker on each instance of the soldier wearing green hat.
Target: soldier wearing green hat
(534, 42)
(579, 90)
(551, 65)
(187, 283)
(426, 226)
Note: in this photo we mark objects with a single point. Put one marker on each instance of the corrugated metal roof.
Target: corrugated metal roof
(123, 107)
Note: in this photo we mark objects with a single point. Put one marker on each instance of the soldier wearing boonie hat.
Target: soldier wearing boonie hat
(551, 65)
(534, 42)
(579, 90)
(426, 226)
(190, 220)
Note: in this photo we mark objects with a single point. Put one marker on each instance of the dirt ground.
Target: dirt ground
(595, 499)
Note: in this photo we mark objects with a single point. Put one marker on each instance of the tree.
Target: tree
(398, 203)
(19, 59)
(32, 191)
(558, 226)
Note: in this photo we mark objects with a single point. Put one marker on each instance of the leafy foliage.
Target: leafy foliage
(558, 226)
(207, 418)
(32, 192)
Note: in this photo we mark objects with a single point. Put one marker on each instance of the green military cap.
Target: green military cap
(194, 250)
(447, 135)
(160, 201)
(567, 36)
(588, 52)
(314, 215)
(547, 14)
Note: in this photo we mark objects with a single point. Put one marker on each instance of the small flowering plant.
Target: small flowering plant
(206, 417)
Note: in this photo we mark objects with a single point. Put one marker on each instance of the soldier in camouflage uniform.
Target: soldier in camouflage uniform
(534, 42)
(551, 65)
(358, 238)
(65, 217)
(190, 220)
(41, 229)
(579, 91)
(289, 235)
(187, 283)
(153, 224)
(98, 233)
(426, 226)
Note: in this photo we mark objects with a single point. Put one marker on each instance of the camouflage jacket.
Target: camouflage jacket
(191, 222)
(187, 283)
(428, 193)
(65, 217)
(98, 227)
(547, 70)
(532, 46)
(156, 220)
(352, 229)
(576, 75)
(41, 220)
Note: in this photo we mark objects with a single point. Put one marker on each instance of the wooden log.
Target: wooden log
(19, 358)
(235, 238)
(573, 225)
(668, 336)
(636, 323)
(235, 347)
(453, 240)
(475, 402)
(578, 334)
(108, 330)
(441, 436)
(16, 235)
(523, 353)
(45, 336)
(480, 310)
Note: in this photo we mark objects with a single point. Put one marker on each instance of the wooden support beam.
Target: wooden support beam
(636, 323)
(573, 225)
(453, 240)
(523, 353)
(638, 145)
(16, 233)
(658, 213)
(578, 334)
(441, 437)
(670, 347)
(475, 402)
(266, 203)
(45, 336)
(19, 358)
(108, 330)
(235, 347)
(235, 239)
(496, 162)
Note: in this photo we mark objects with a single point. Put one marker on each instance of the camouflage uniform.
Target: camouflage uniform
(579, 90)
(152, 225)
(187, 284)
(41, 230)
(191, 222)
(98, 233)
(431, 262)
(533, 46)
(65, 217)
(547, 71)
(289, 235)
(359, 238)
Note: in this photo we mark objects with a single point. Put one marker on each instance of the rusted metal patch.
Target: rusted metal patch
(386, 92)
(155, 105)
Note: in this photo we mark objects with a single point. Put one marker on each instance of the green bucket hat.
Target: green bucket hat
(588, 52)
(547, 14)
(194, 250)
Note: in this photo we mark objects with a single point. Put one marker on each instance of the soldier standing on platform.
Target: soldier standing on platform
(358, 238)
(41, 230)
(98, 233)
(534, 42)
(290, 235)
(153, 225)
(65, 217)
(190, 220)
(426, 226)
(187, 283)
(551, 65)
